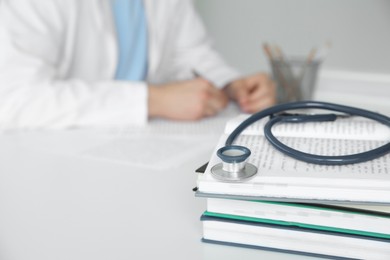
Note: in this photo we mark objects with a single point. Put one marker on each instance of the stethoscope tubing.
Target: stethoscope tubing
(312, 158)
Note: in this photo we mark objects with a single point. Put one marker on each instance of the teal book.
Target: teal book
(293, 239)
(366, 220)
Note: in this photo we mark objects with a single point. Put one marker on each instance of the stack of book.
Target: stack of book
(292, 206)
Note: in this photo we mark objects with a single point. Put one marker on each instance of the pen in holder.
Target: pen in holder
(295, 77)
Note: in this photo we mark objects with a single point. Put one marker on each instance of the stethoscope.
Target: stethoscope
(234, 167)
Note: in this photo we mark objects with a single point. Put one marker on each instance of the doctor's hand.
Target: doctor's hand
(253, 93)
(186, 100)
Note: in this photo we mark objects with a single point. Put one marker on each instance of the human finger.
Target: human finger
(212, 106)
(262, 90)
(219, 97)
(260, 98)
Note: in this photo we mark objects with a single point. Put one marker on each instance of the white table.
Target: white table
(62, 197)
(97, 194)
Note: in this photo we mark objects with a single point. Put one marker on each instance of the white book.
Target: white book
(365, 220)
(293, 239)
(280, 177)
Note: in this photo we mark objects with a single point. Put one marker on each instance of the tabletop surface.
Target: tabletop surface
(109, 193)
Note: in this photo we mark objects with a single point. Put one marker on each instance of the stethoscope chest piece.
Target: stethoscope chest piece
(234, 167)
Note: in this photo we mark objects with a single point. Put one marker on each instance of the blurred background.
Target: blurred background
(359, 31)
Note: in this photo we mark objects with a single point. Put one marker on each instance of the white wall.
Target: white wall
(358, 29)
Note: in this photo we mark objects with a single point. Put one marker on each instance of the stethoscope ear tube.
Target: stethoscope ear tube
(321, 159)
(311, 158)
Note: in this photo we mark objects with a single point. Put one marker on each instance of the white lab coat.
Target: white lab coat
(58, 60)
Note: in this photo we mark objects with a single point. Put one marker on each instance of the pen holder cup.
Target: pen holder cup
(295, 78)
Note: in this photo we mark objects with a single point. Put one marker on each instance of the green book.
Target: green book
(288, 238)
(365, 220)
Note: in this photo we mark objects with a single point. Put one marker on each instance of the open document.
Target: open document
(280, 177)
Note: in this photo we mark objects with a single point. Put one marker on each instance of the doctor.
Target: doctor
(113, 63)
